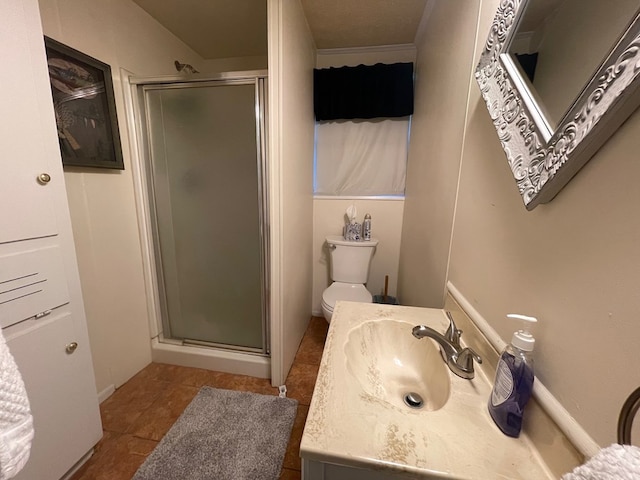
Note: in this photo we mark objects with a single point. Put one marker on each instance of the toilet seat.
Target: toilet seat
(352, 292)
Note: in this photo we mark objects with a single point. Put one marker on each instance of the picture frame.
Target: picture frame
(544, 157)
(85, 109)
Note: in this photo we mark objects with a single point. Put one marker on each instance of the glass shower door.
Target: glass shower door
(207, 201)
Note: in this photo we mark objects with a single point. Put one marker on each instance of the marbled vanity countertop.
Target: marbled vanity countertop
(459, 441)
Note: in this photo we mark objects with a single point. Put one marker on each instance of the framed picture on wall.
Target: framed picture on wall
(85, 108)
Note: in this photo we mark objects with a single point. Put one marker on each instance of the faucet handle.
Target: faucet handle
(452, 334)
(466, 358)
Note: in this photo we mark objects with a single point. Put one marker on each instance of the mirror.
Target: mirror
(557, 62)
(559, 77)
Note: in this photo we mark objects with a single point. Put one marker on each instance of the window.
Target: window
(362, 129)
(361, 157)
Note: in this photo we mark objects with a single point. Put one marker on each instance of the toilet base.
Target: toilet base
(352, 292)
(327, 313)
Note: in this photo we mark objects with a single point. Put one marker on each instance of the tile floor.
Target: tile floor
(139, 413)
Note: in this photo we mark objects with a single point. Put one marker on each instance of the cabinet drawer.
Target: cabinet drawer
(31, 281)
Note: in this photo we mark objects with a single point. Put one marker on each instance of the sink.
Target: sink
(358, 425)
(391, 366)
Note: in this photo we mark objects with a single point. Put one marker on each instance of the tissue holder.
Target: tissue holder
(353, 232)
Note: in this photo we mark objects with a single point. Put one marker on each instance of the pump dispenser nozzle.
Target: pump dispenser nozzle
(523, 339)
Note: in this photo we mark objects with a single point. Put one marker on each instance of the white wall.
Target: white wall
(291, 60)
(102, 202)
(445, 51)
(573, 263)
(234, 64)
(328, 212)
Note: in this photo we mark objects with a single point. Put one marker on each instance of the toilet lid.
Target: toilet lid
(352, 292)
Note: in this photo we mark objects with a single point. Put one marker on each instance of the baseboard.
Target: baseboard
(580, 439)
(106, 393)
(85, 458)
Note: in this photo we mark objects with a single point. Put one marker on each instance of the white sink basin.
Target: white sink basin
(389, 363)
(358, 426)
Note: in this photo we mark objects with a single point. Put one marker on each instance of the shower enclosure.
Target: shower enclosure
(204, 163)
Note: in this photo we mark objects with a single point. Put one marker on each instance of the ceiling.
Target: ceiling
(238, 28)
(363, 23)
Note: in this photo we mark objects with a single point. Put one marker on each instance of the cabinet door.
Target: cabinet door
(59, 383)
(26, 210)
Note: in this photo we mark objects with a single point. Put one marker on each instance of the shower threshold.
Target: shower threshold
(209, 356)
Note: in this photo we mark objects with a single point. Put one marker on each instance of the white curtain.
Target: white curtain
(361, 157)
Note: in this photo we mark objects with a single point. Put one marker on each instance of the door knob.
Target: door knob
(44, 178)
(71, 347)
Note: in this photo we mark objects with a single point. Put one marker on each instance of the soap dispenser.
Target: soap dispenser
(514, 379)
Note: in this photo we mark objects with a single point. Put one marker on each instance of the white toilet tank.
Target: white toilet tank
(350, 260)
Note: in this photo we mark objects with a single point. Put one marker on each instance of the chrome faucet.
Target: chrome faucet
(458, 359)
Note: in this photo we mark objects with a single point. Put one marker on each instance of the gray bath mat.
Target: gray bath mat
(224, 434)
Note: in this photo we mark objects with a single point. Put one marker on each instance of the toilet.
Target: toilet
(349, 270)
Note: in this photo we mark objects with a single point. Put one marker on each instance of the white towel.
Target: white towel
(16, 423)
(616, 462)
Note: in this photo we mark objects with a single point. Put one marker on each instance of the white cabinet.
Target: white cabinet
(26, 210)
(32, 280)
(41, 310)
(55, 363)
(315, 470)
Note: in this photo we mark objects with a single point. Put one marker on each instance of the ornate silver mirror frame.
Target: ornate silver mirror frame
(543, 159)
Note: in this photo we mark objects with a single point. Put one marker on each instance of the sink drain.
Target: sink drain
(413, 400)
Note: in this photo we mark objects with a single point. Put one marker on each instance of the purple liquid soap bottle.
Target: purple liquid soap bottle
(514, 379)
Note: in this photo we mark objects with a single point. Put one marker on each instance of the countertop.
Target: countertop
(345, 426)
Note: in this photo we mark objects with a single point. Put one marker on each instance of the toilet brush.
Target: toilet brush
(385, 297)
(386, 288)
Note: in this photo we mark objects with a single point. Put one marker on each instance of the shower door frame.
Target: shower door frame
(140, 85)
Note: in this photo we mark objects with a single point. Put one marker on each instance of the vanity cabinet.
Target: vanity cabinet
(312, 470)
(358, 426)
(41, 311)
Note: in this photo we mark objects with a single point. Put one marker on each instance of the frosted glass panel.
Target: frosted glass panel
(205, 180)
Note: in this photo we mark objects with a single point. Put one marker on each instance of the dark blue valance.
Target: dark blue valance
(365, 91)
(528, 62)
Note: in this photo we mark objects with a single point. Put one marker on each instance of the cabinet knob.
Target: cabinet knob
(71, 347)
(44, 178)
